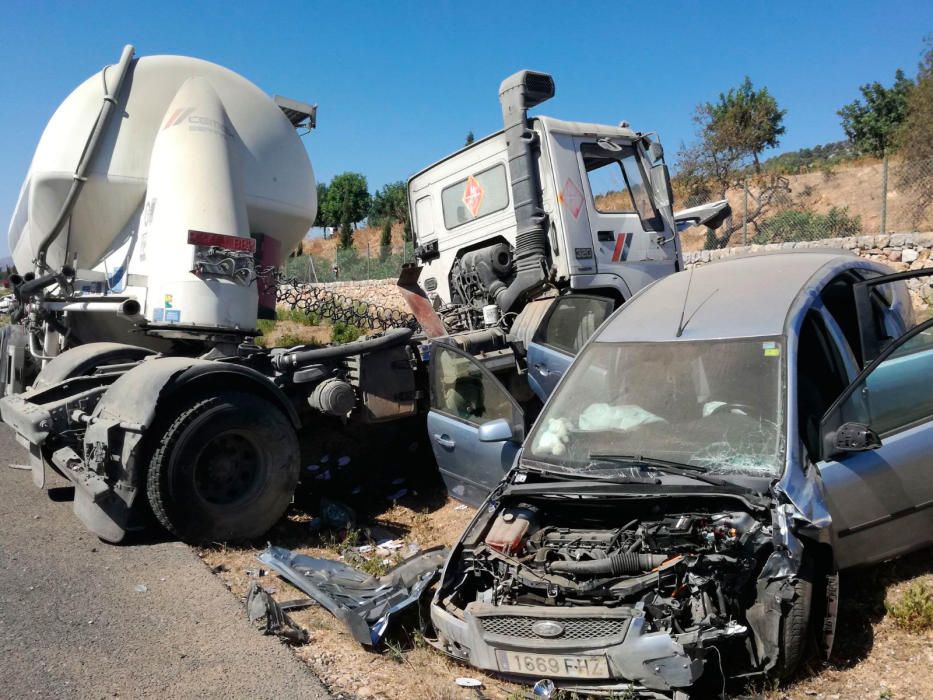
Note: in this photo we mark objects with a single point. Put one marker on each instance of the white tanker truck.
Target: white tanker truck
(164, 185)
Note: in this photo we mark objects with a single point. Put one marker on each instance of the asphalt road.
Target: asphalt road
(73, 624)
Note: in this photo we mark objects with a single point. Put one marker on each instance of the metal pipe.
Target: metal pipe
(128, 308)
(90, 150)
(517, 94)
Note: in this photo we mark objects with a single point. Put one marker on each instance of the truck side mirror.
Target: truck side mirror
(498, 430)
(712, 215)
(855, 437)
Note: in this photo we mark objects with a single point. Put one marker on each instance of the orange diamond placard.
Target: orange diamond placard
(473, 195)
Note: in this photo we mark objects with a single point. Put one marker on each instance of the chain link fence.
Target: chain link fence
(828, 201)
(359, 263)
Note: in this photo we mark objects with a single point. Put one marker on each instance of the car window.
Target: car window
(895, 395)
(462, 389)
(821, 378)
(572, 321)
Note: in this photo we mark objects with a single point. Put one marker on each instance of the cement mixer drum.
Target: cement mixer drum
(268, 172)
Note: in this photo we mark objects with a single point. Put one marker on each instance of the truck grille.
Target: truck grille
(574, 627)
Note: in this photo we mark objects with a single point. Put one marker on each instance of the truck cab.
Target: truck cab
(605, 194)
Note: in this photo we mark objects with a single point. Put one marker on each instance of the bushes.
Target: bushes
(913, 610)
(807, 225)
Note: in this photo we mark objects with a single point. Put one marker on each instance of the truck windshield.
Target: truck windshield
(716, 405)
(618, 183)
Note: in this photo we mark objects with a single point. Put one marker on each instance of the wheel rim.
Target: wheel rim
(228, 469)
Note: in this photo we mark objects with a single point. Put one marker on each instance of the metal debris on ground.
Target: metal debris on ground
(544, 688)
(259, 604)
(364, 603)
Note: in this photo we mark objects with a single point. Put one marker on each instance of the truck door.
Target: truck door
(878, 484)
(629, 237)
(565, 328)
(475, 426)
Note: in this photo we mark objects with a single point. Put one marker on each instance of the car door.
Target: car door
(879, 485)
(475, 426)
(565, 328)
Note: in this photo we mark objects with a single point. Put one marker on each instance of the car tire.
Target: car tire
(796, 623)
(225, 469)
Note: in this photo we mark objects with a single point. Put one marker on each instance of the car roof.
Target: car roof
(740, 297)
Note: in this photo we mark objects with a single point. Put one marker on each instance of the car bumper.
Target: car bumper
(654, 662)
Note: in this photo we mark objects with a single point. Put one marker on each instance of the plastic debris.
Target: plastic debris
(464, 682)
(140, 588)
(544, 688)
(462, 506)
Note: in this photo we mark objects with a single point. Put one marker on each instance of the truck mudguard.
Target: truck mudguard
(115, 452)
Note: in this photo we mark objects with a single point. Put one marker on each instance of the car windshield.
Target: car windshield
(716, 405)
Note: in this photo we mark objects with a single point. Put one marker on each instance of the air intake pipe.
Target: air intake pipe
(619, 564)
(517, 94)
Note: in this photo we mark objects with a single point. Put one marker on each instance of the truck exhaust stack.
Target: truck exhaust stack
(517, 94)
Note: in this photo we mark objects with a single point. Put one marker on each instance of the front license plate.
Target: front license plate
(552, 665)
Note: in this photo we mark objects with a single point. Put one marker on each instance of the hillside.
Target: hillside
(853, 185)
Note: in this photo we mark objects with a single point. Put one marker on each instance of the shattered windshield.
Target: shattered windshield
(715, 404)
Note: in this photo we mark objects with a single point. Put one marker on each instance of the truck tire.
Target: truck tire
(225, 469)
(794, 637)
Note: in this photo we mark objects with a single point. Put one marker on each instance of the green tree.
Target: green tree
(469, 138)
(385, 239)
(347, 200)
(732, 134)
(390, 204)
(346, 235)
(320, 220)
(872, 124)
(744, 121)
(915, 140)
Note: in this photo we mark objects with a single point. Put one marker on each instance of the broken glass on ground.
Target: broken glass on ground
(364, 603)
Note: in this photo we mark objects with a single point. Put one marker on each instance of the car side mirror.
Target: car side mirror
(498, 430)
(855, 437)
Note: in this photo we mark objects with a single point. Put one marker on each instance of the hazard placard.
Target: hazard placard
(572, 198)
(473, 195)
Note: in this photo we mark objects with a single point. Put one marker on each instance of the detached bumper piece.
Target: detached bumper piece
(364, 603)
(260, 604)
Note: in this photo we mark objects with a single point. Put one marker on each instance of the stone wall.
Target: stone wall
(381, 292)
(900, 251)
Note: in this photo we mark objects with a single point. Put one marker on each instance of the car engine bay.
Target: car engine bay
(689, 568)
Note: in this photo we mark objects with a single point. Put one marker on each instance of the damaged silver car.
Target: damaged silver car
(726, 443)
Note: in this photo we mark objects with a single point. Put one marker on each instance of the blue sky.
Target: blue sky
(399, 84)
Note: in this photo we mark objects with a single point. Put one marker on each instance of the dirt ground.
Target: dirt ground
(873, 658)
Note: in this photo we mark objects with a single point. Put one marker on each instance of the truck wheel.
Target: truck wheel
(225, 469)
